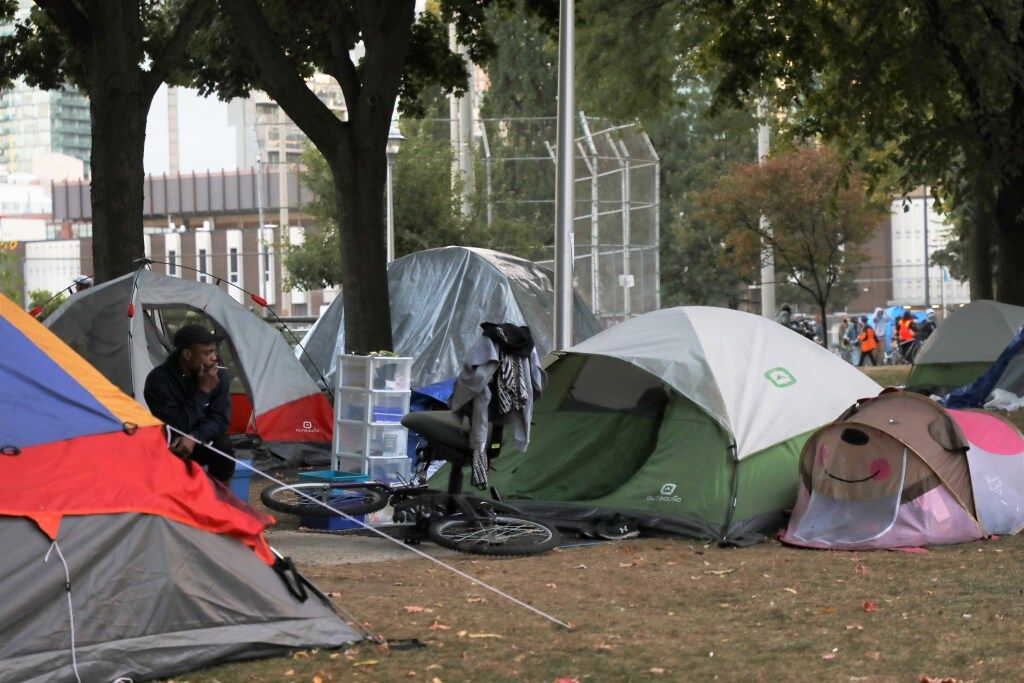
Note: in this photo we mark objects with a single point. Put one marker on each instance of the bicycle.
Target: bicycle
(450, 518)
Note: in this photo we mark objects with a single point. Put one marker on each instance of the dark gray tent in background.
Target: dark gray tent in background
(439, 297)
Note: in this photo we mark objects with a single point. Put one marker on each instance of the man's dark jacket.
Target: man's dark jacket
(175, 398)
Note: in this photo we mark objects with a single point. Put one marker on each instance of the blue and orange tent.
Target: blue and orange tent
(172, 573)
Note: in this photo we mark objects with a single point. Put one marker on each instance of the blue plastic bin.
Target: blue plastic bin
(240, 480)
(333, 523)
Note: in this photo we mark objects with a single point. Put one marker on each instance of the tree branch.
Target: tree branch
(280, 77)
(172, 54)
(71, 19)
(341, 41)
(971, 86)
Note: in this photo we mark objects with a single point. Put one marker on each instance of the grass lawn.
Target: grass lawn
(888, 375)
(679, 610)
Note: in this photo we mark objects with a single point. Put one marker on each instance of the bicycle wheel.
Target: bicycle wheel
(348, 498)
(494, 535)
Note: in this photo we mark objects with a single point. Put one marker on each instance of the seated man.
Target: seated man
(189, 392)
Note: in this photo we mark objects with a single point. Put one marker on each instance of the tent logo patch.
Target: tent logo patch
(665, 495)
(308, 428)
(780, 377)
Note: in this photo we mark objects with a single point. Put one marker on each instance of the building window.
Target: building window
(172, 264)
(233, 265)
(202, 265)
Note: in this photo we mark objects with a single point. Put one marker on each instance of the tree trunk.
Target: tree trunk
(979, 253)
(118, 105)
(1010, 243)
(823, 307)
(364, 279)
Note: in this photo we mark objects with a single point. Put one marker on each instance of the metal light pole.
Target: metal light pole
(564, 178)
(395, 138)
(767, 253)
(927, 288)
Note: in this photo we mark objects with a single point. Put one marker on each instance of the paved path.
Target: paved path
(311, 549)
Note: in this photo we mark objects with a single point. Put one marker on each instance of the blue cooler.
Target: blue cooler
(240, 480)
(335, 522)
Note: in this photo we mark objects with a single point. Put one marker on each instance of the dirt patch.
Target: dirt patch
(675, 610)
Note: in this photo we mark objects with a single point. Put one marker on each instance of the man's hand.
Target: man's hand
(183, 446)
(209, 379)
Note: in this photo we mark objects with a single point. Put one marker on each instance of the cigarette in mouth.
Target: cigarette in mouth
(221, 367)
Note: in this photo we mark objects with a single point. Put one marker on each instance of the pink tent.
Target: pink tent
(899, 470)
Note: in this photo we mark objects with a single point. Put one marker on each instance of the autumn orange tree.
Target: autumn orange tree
(818, 219)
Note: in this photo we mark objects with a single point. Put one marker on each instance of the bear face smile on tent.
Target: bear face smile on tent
(899, 470)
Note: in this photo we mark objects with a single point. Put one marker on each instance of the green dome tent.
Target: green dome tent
(690, 420)
(965, 345)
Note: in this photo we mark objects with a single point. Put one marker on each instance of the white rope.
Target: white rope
(384, 535)
(71, 610)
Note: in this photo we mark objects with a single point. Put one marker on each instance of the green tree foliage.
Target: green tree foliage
(118, 52)
(919, 91)
(46, 299)
(427, 207)
(696, 147)
(11, 282)
(817, 223)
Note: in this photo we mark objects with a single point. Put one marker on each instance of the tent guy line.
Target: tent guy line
(71, 609)
(383, 535)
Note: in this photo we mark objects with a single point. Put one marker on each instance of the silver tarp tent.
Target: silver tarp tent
(439, 297)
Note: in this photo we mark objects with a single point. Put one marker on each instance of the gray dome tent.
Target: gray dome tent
(439, 297)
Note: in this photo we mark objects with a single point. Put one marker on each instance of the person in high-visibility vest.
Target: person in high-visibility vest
(905, 327)
(868, 343)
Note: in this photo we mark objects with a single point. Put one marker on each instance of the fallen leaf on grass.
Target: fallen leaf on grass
(671, 563)
(431, 667)
(438, 626)
(829, 656)
(289, 672)
(605, 647)
(854, 627)
(860, 569)
(870, 606)
(485, 635)
(335, 655)
(580, 566)
(656, 670)
(416, 609)
(550, 585)
(435, 679)
(476, 599)
(790, 590)
(365, 662)
(946, 679)
(318, 678)
(565, 679)
(301, 654)
(334, 594)
(719, 572)
(625, 565)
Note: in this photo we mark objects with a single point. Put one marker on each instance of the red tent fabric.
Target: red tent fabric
(72, 444)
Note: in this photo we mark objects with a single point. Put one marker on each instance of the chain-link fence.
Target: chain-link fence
(616, 232)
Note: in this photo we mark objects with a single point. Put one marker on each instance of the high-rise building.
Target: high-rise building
(34, 122)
